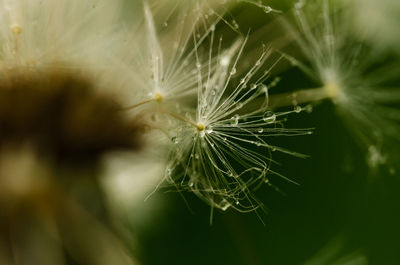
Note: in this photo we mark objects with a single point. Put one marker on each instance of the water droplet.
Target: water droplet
(242, 81)
(263, 89)
(235, 24)
(297, 109)
(196, 156)
(209, 130)
(269, 117)
(165, 24)
(212, 28)
(261, 130)
(191, 184)
(267, 9)
(233, 71)
(308, 108)
(198, 65)
(174, 140)
(224, 205)
(253, 86)
(235, 120)
(213, 92)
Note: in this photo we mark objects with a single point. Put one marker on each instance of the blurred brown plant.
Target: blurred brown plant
(54, 127)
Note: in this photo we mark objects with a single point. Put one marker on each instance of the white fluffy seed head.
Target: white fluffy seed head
(341, 62)
(227, 152)
(47, 31)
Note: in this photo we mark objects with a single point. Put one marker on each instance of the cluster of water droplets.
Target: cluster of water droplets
(266, 8)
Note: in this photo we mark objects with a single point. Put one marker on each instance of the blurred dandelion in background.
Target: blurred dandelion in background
(105, 103)
(351, 73)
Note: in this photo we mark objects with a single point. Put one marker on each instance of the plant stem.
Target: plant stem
(139, 104)
(179, 117)
(299, 97)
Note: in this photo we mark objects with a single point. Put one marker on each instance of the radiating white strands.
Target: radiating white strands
(226, 154)
(37, 33)
(159, 52)
(343, 65)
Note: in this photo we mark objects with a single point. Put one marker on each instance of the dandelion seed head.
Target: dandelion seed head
(203, 160)
(161, 57)
(158, 97)
(332, 89)
(342, 63)
(200, 127)
(51, 33)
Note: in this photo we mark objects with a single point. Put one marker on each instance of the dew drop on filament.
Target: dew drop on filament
(235, 120)
(297, 109)
(267, 9)
(224, 205)
(269, 117)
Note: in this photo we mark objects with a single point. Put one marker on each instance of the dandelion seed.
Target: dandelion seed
(210, 152)
(151, 53)
(58, 38)
(341, 63)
